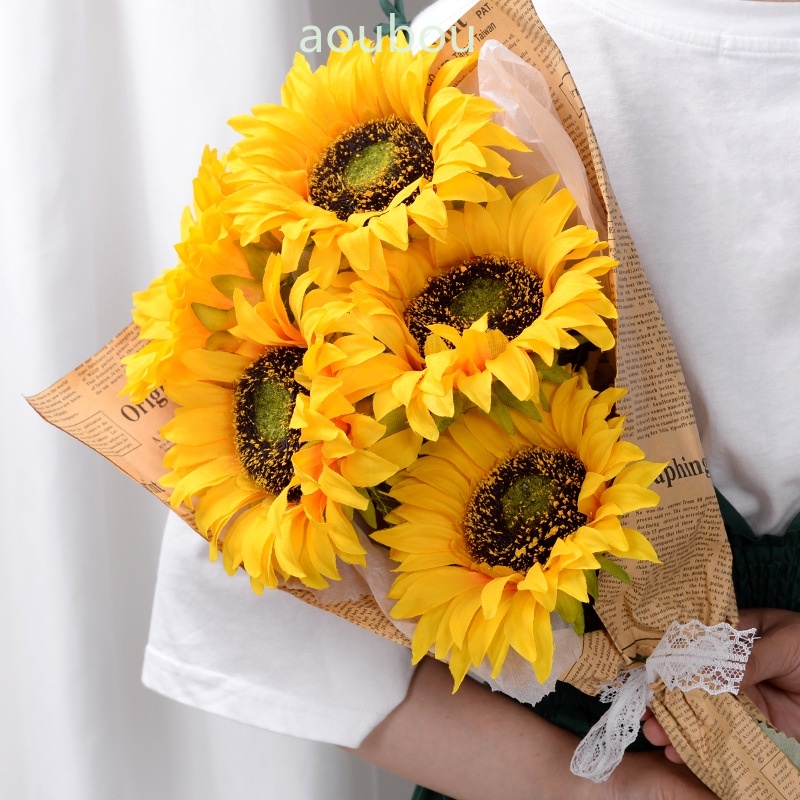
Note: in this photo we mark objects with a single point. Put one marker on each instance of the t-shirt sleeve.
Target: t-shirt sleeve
(271, 661)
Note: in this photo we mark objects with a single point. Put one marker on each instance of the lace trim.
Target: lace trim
(689, 656)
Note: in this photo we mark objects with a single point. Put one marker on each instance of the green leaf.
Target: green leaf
(556, 374)
(395, 421)
(526, 407)
(383, 503)
(286, 290)
(500, 415)
(222, 340)
(368, 514)
(443, 423)
(214, 319)
(388, 7)
(257, 255)
(571, 610)
(305, 258)
(567, 607)
(579, 623)
(460, 406)
(613, 569)
(591, 582)
(228, 284)
(543, 402)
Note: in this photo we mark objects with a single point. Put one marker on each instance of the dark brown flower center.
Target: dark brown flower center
(364, 168)
(263, 403)
(502, 288)
(522, 507)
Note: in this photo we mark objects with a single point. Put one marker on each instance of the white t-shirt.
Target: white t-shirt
(696, 107)
(270, 661)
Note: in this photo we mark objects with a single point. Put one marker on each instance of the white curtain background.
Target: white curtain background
(105, 106)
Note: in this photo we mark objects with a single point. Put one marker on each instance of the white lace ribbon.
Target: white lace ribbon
(690, 656)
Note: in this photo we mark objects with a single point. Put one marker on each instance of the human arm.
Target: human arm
(480, 745)
(771, 679)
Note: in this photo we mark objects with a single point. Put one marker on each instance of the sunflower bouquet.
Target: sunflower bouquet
(399, 372)
(377, 337)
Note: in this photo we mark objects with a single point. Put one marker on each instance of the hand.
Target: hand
(771, 679)
(647, 776)
(476, 744)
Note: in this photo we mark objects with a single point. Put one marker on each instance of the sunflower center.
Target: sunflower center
(364, 168)
(369, 165)
(482, 296)
(263, 402)
(527, 498)
(522, 507)
(501, 287)
(272, 409)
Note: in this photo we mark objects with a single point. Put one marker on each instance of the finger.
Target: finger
(750, 618)
(753, 618)
(654, 733)
(647, 715)
(776, 653)
(672, 755)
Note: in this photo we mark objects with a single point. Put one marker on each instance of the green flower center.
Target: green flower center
(263, 403)
(367, 167)
(272, 409)
(504, 289)
(529, 497)
(364, 168)
(482, 296)
(522, 507)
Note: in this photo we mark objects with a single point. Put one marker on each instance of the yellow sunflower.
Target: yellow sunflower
(191, 305)
(360, 150)
(245, 455)
(508, 281)
(494, 532)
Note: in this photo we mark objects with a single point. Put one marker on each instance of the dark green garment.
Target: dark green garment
(766, 574)
(766, 571)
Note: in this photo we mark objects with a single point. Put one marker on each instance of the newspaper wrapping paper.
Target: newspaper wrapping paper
(690, 656)
(718, 736)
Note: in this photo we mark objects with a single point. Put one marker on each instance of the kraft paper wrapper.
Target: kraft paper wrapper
(718, 737)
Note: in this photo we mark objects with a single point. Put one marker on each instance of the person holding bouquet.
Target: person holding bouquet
(694, 106)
